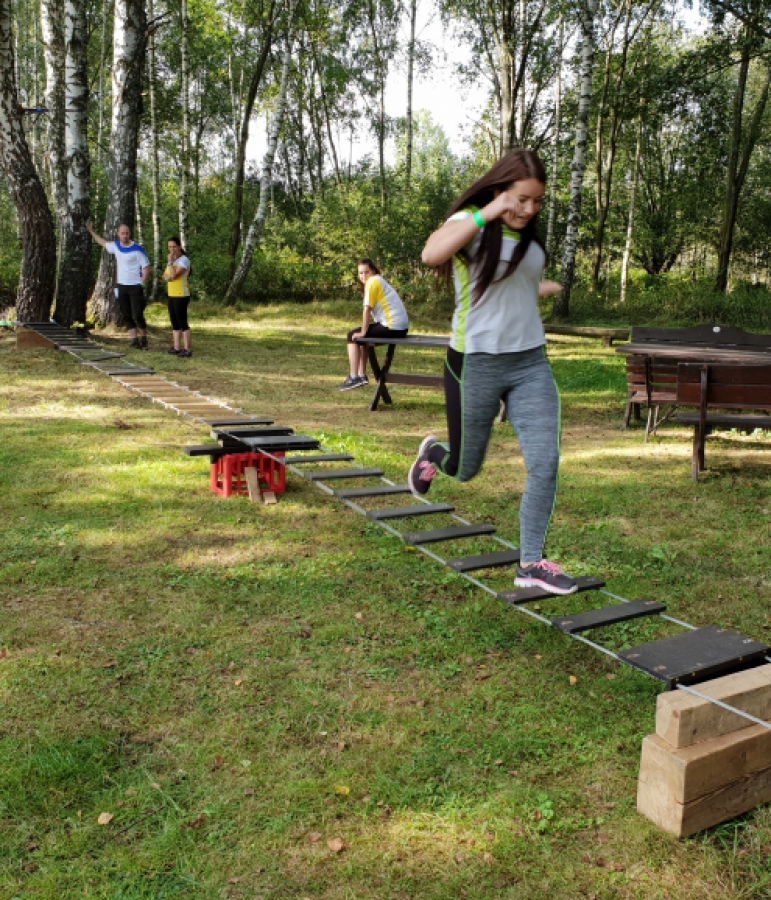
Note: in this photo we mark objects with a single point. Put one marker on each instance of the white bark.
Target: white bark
(258, 222)
(632, 201)
(52, 28)
(154, 155)
(129, 28)
(555, 158)
(184, 174)
(588, 12)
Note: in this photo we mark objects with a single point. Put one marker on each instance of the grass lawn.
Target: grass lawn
(285, 702)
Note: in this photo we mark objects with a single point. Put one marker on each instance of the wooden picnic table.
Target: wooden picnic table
(653, 354)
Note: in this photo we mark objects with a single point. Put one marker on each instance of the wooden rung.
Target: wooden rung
(238, 435)
(317, 458)
(696, 656)
(404, 512)
(289, 442)
(608, 615)
(244, 420)
(380, 491)
(447, 534)
(127, 371)
(529, 594)
(484, 561)
(334, 474)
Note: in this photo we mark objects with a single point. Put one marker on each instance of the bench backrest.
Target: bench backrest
(724, 386)
(702, 335)
(654, 376)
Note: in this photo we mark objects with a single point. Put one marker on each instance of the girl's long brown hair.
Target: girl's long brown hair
(517, 165)
(371, 265)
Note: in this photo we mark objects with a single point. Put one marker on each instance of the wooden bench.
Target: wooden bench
(652, 357)
(721, 386)
(383, 375)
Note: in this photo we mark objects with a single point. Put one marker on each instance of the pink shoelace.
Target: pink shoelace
(550, 567)
(427, 470)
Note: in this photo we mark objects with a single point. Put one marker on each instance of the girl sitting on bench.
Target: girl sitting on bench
(381, 304)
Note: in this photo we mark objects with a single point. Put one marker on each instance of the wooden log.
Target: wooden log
(689, 789)
(683, 719)
(252, 477)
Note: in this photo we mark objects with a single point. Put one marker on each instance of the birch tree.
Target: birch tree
(258, 222)
(36, 227)
(74, 281)
(587, 14)
(129, 34)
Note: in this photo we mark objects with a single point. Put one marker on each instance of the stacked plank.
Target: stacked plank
(706, 764)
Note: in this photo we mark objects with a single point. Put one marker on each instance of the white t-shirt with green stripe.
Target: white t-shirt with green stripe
(386, 305)
(505, 319)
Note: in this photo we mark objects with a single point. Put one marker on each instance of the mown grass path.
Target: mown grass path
(283, 702)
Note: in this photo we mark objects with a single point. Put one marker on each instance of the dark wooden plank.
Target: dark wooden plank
(696, 656)
(485, 561)
(213, 451)
(289, 442)
(238, 434)
(529, 594)
(717, 335)
(447, 534)
(427, 381)
(317, 458)
(412, 340)
(128, 370)
(405, 512)
(608, 615)
(243, 420)
(379, 491)
(335, 474)
(716, 420)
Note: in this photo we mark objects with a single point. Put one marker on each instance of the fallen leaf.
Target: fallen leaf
(538, 656)
(155, 785)
(498, 762)
(489, 836)
(488, 858)
(573, 680)
(105, 818)
(336, 845)
(342, 789)
(111, 664)
(238, 682)
(341, 746)
(131, 792)
(219, 762)
(314, 837)
(119, 423)
(196, 822)
(359, 616)
(610, 676)
(233, 880)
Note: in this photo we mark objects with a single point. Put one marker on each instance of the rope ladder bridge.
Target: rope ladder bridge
(697, 656)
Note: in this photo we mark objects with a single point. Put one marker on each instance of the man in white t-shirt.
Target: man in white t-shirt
(133, 269)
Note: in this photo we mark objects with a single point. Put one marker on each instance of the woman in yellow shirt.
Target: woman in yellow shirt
(176, 277)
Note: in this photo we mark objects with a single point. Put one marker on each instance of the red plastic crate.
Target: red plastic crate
(227, 473)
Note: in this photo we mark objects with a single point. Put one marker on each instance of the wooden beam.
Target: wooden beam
(683, 719)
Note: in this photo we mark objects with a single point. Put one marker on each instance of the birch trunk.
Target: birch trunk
(410, 85)
(154, 156)
(588, 11)
(184, 175)
(36, 227)
(75, 267)
(129, 32)
(632, 201)
(52, 29)
(258, 223)
(738, 161)
(243, 138)
(555, 160)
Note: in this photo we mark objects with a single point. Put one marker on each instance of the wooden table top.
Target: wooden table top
(696, 352)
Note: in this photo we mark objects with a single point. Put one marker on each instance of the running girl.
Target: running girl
(384, 316)
(489, 247)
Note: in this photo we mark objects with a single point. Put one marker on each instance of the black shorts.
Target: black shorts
(178, 313)
(377, 330)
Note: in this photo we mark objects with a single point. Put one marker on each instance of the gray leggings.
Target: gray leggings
(475, 383)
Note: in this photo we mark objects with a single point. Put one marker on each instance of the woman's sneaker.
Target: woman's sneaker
(173, 351)
(185, 354)
(546, 575)
(351, 382)
(423, 471)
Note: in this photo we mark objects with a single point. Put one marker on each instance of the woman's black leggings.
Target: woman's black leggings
(178, 313)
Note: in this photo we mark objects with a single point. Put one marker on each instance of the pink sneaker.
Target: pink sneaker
(545, 575)
(422, 471)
